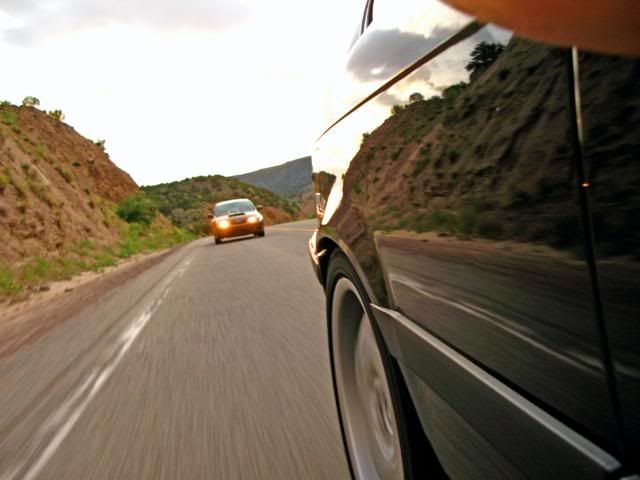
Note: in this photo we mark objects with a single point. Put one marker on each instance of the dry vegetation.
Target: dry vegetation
(58, 204)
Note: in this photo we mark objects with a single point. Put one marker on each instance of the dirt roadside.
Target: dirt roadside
(24, 322)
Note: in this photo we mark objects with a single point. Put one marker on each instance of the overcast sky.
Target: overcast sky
(179, 88)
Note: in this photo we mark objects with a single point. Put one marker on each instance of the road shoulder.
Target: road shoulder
(24, 322)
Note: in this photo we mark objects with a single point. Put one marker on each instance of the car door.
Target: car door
(455, 197)
(610, 98)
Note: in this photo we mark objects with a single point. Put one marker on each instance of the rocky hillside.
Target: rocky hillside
(289, 179)
(57, 188)
(188, 201)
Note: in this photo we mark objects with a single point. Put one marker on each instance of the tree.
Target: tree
(57, 114)
(100, 143)
(452, 92)
(396, 109)
(483, 55)
(30, 102)
(416, 97)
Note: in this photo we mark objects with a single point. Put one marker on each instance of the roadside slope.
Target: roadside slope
(57, 188)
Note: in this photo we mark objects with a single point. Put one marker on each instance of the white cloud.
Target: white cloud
(44, 19)
(176, 98)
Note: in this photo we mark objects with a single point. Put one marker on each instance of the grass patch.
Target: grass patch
(7, 117)
(103, 261)
(4, 182)
(86, 255)
(37, 271)
(64, 173)
(40, 150)
(8, 284)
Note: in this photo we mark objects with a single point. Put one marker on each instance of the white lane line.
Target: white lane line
(62, 421)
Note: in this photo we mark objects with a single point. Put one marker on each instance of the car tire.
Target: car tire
(365, 386)
(218, 240)
(260, 234)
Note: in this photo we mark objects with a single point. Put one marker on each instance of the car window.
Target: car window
(400, 33)
(239, 206)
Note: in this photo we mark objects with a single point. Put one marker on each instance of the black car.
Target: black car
(479, 247)
(235, 218)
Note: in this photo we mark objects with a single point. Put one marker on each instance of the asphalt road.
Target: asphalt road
(211, 364)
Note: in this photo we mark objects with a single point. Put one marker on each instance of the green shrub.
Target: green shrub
(7, 117)
(57, 114)
(468, 220)
(41, 150)
(4, 182)
(420, 165)
(137, 208)
(30, 101)
(64, 173)
(452, 154)
(8, 284)
(102, 261)
(37, 270)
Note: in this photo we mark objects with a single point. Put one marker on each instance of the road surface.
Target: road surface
(210, 364)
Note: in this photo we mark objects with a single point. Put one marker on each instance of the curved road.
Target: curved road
(211, 364)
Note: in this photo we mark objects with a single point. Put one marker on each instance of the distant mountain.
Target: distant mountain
(188, 201)
(288, 179)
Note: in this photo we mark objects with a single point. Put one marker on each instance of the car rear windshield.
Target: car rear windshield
(239, 206)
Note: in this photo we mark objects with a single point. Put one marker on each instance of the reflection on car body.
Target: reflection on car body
(494, 242)
(234, 218)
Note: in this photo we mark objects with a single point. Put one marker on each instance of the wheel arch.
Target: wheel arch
(332, 246)
(423, 459)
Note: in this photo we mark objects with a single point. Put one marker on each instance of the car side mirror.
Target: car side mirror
(259, 207)
(209, 215)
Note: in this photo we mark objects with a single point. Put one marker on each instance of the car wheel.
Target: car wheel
(368, 404)
(218, 240)
(260, 234)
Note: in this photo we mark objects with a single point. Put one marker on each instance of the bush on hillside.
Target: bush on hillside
(137, 208)
(30, 101)
(57, 114)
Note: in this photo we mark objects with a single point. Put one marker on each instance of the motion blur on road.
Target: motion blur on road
(210, 364)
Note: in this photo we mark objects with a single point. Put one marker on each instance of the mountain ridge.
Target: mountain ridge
(292, 178)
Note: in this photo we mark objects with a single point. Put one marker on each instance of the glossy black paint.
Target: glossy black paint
(461, 210)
